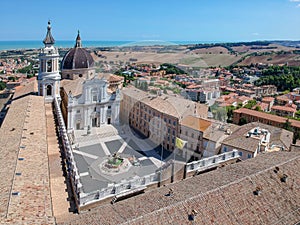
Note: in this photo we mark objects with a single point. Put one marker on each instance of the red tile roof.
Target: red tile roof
(267, 116)
(283, 108)
(262, 105)
(291, 105)
(244, 98)
(268, 99)
(223, 196)
(195, 123)
(283, 98)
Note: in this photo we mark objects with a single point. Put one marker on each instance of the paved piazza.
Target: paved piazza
(90, 152)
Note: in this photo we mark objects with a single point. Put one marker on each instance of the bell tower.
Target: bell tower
(49, 77)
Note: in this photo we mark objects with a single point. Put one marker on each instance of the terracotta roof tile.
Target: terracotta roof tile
(268, 99)
(239, 140)
(267, 116)
(195, 123)
(224, 196)
(23, 135)
(173, 106)
(262, 105)
(283, 98)
(283, 108)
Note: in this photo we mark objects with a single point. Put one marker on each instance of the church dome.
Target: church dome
(77, 57)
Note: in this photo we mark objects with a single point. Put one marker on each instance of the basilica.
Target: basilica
(87, 99)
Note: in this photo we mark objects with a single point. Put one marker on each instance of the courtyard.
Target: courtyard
(92, 151)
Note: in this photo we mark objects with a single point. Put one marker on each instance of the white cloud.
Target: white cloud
(255, 34)
(298, 1)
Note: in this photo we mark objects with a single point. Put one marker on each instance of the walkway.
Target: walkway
(59, 194)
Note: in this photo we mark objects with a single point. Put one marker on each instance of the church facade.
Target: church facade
(88, 99)
(94, 106)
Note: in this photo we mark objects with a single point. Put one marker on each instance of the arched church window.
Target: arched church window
(68, 76)
(49, 66)
(49, 90)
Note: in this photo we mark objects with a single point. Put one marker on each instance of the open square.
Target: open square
(93, 151)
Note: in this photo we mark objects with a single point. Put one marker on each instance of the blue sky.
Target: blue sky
(201, 20)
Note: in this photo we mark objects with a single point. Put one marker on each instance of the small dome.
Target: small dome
(77, 57)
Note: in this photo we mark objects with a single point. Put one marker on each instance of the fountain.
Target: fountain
(114, 162)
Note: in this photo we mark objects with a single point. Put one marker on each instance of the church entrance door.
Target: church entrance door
(94, 122)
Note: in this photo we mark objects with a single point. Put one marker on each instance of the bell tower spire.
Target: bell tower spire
(49, 40)
(78, 41)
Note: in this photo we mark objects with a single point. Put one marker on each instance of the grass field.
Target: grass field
(206, 57)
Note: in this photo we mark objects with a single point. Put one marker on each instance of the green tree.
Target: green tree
(229, 110)
(2, 85)
(225, 93)
(176, 91)
(171, 69)
(219, 113)
(286, 92)
(242, 121)
(13, 79)
(288, 125)
(250, 104)
(284, 77)
(26, 69)
(240, 105)
(258, 108)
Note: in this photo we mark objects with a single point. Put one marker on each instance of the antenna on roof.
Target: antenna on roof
(283, 178)
(257, 190)
(193, 214)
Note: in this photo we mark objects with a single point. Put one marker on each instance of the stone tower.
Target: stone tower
(49, 77)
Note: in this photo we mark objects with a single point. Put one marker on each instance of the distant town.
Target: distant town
(104, 132)
(242, 84)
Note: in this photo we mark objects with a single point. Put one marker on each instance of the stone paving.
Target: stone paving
(91, 150)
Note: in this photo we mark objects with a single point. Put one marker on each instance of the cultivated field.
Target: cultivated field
(186, 58)
(203, 57)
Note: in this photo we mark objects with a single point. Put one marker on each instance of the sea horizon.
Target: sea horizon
(37, 44)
